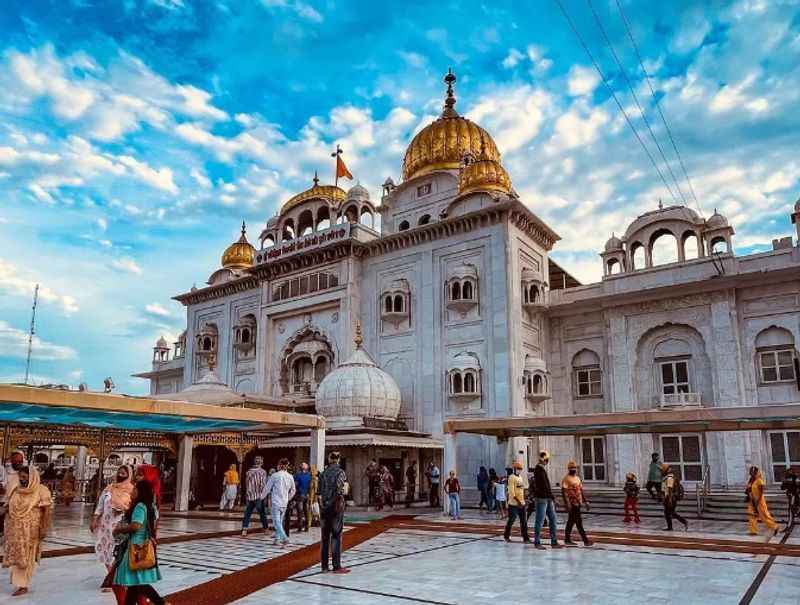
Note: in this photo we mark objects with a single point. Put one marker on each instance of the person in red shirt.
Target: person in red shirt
(453, 489)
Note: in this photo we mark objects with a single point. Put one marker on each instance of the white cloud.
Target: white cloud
(156, 309)
(513, 116)
(160, 179)
(301, 9)
(573, 129)
(126, 265)
(582, 80)
(513, 58)
(14, 343)
(102, 223)
(200, 178)
(14, 283)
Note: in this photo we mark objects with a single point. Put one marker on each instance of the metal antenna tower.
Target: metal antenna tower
(31, 333)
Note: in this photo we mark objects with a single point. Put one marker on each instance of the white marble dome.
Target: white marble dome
(358, 388)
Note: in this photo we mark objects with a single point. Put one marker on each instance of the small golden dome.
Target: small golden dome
(240, 254)
(327, 192)
(442, 144)
(483, 174)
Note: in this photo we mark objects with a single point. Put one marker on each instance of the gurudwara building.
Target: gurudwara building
(453, 309)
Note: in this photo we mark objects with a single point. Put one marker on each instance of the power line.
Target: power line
(658, 105)
(613, 94)
(31, 333)
(635, 97)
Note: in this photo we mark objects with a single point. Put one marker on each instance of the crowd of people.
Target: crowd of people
(126, 512)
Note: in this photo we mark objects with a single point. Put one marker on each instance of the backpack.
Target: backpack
(679, 491)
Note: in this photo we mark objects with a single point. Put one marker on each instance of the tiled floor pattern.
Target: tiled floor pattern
(404, 566)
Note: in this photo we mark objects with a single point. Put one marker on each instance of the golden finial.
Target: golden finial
(315, 179)
(450, 100)
(359, 338)
(244, 228)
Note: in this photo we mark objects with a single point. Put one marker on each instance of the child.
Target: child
(631, 499)
(500, 497)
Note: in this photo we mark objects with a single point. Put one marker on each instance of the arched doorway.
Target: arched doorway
(209, 463)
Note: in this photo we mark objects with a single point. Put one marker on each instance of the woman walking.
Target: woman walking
(757, 509)
(387, 486)
(138, 573)
(111, 507)
(230, 488)
(574, 498)
(29, 506)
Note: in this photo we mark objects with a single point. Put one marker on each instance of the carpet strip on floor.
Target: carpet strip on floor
(239, 584)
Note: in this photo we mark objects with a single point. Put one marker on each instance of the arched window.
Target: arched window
(457, 383)
(288, 231)
(455, 291)
(775, 352)
(538, 384)
(638, 259)
(207, 343)
(398, 303)
(323, 219)
(388, 304)
(466, 290)
(305, 223)
(367, 218)
(469, 383)
(351, 214)
(533, 294)
(424, 219)
(663, 247)
(320, 369)
(245, 338)
(587, 375)
(691, 246)
(268, 242)
(613, 266)
(403, 226)
(719, 245)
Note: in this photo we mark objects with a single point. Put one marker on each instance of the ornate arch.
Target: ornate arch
(290, 354)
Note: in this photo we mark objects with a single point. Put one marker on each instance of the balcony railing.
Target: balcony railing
(680, 400)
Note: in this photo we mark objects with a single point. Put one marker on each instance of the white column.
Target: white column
(80, 463)
(317, 453)
(184, 473)
(517, 451)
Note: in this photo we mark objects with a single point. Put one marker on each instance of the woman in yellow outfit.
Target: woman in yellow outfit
(757, 504)
(230, 488)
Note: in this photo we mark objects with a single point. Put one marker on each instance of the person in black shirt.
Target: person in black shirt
(411, 482)
(545, 504)
(332, 491)
(792, 488)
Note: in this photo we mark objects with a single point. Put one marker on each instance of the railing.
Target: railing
(679, 399)
(703, 489)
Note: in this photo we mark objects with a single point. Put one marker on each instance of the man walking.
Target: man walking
(373, 475)
(654, 478)
(279, 490)
(302, 485)
(256, 481)
(672, 491)
(332, 491)
(516, 505)
(411, 482)
(435, 475)
(545, 505)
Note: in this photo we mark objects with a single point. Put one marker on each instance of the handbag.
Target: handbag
(142, 556)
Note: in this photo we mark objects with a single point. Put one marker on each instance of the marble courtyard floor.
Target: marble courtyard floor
(428, 559)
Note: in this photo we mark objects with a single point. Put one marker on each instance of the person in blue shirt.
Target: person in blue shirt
(302, 482)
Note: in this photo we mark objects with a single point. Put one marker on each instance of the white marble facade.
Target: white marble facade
(460, 304)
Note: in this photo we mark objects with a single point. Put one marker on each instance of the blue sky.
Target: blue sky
(136, 135)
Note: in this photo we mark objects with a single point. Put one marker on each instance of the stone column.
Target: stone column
(517, 451)
(184, 475)
(80, 463)
(317, 454)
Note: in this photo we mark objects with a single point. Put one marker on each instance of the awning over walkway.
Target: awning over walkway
(677, 420)
(40, 406)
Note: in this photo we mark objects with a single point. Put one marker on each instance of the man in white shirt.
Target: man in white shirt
(280, 490)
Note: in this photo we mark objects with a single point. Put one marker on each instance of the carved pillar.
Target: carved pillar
(184, 473)
(450, 464)
(317, 453)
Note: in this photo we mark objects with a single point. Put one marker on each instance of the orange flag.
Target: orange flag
(341, 169)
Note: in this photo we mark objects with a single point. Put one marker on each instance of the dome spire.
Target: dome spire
(358, 339)
(244, 229)
(450, 101)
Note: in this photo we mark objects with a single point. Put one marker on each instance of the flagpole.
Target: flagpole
(335, 155)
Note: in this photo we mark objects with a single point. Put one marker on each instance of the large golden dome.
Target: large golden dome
(240, 254)
(483, 174)
(443, 144)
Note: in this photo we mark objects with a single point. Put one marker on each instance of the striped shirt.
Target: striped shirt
(256, 482)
